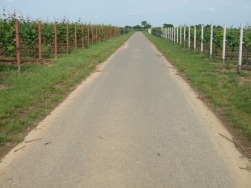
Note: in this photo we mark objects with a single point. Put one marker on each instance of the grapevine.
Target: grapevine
(29, 35)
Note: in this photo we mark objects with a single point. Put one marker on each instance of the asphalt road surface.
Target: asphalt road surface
(130, 126)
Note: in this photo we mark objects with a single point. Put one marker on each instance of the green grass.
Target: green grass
(220, 85)
(33, 93)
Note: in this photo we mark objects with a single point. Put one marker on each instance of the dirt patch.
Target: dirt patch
(2, 86)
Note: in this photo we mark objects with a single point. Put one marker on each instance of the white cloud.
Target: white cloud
(159, 10)
(226, 2)
(95, 16)
(247, 6)
(10, 0)
(132, 12)
(107, 11)
(185, 1)
(210, 9)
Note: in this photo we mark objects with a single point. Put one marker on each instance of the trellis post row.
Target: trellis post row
(175, 35)
(110, 32)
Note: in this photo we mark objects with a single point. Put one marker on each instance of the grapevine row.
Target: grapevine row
(27, 38)
(220, 42)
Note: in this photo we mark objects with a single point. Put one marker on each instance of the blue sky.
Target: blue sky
(132, 12)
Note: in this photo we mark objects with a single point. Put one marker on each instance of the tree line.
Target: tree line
(146, 25)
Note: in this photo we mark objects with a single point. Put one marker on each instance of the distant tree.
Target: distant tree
(144, 23)
(167, 25)
(219, 27)
(198, 26)
(127, 26)
(148, 26)
(208, 26)
(137, 27)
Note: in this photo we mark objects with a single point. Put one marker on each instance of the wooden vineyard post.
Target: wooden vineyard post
(67, 38)
(103, 37)
(241, 46)
(92, 34)
(167, 34)
(107, 32)
(88, 36)
(194, 38)
(184, 36)
(224, 44)
(177, 34)
(56, 40)
(171, 34)
(76, 36)
(180, 35)
(211, 41)
(174, 34)
(18, 46)
(189, 37)
(40, 40)
(96, 33)
(110, 32)
(83, 31)
(202, 39)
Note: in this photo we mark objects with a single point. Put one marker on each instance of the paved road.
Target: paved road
(131, 127)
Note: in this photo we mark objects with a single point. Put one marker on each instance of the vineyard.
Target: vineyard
(222, 43)
(24, 38)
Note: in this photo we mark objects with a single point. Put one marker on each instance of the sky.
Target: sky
(133, 12)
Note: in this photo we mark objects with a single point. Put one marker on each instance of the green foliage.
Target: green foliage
(8, 31)
(137, 27)
(148, 26)
(144, 23)
(167, 25)
(157, 31)
(29, 33)
(232, 36)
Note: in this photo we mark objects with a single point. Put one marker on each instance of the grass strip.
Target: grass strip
(27, 97)
(228, 89)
